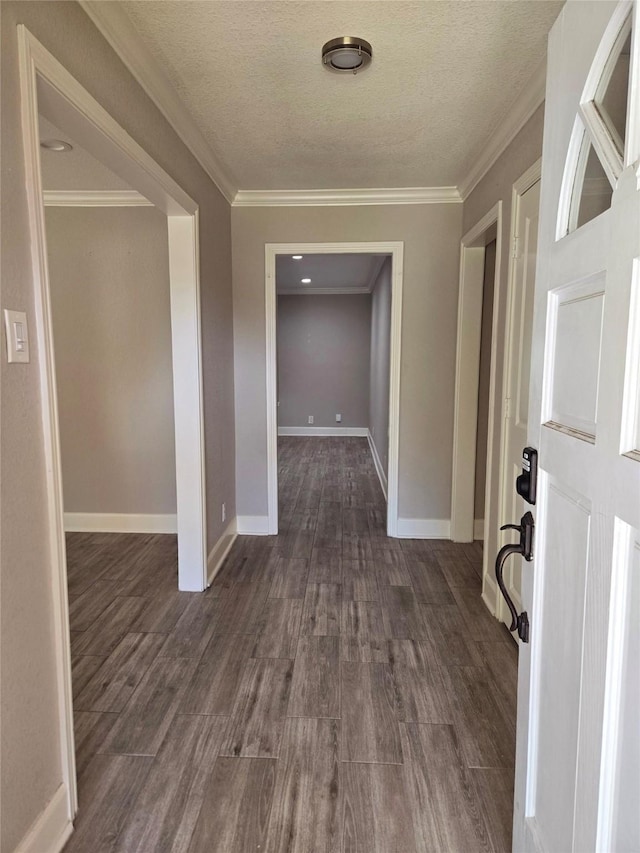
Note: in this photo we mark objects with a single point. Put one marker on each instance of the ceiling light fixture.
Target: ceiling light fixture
(347, 53)
(56, 145)
(305, 280)
(297, 257)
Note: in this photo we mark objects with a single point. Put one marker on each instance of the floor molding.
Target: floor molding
(252, 525)
(478, 529)
(319, 432)
(218, 553)
(51, 829)
(98, 522)
(376, 461)
(423, 528)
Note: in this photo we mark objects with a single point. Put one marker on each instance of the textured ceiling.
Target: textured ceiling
(73, 170)
(344, 272)
(443, 75)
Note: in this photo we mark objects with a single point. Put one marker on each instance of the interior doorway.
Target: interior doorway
(48, 89)
(281, 256)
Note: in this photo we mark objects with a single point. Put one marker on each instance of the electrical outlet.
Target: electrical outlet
(310, 419)
(338, 419)
(224, 512)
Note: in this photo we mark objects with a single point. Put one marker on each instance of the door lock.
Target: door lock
(519, 621)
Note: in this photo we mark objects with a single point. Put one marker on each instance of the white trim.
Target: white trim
(469, 331)
(423, 528)
(52, 828)
(114, 24)
(219, 552)
(114, 522)
(253, 525)
(478, 529)
(45, 85)
(378, 464)
(359, 432)
(528, 101)
(522, 185)
(338, 198)
(396, 250)
(94, 198)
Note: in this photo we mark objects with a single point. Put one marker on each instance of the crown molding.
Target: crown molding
(94, 198)
(324, 291)
(335, 198)
(530, 98)
(116, 27)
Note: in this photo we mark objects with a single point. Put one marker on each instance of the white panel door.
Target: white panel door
(578, 748)
(519, 365)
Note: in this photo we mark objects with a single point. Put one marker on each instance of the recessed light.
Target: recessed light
(56, 145)
(297, 257)
(305, 280)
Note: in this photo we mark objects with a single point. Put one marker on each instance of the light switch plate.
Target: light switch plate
(15, 324)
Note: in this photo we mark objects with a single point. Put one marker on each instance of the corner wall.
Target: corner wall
(380, 365)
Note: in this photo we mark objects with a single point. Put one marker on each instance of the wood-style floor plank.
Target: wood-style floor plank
(113, 684)
(90, 730)
(401, 613)
(214, 685)
(359, 581)
(84, 609)
(257, 720)
(240, 612)
(419, 685)
(167, 809)
(391, 567)
(321, 612)
(236, 807)
(495, 791)
(448, 635)
(370, 730)
(305, 811)
(107, 791)
(289, 578)
(315, 689)
(376, 816)
(480, 624)
(325, 566)
(445, 807)
(278, 629)
(109, 628)
(428, 582)
(194, 628)
(143, 724)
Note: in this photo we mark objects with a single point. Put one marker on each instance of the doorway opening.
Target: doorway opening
(280, 263)
(47, 89)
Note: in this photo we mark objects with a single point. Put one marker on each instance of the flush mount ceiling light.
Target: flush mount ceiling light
(305, 281)
(347, 53)
(297, 257)
(56, 145)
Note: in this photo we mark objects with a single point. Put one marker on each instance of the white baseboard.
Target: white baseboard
(478, 529)
(220, 550)
(359, 432)
(111, 522)
(423, 528)
(51, 829)
(252, 525)
(376, 461)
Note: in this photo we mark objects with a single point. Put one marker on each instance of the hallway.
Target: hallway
(334, 690)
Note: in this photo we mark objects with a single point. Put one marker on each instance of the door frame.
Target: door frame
(465, 421)
(46, 84)
(520, 187)
(396, 250)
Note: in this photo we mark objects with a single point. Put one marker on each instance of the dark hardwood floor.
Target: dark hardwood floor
(334, 690)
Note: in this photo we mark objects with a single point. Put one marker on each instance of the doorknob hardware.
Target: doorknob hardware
(519, 621)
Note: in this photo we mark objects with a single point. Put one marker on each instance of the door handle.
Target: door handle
(519, 621)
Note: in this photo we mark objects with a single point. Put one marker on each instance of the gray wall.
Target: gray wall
(31, 761)
(431, 235)
(324, 345)
(109, 274)
(380, 364)
(497, 185)
(483, 379)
